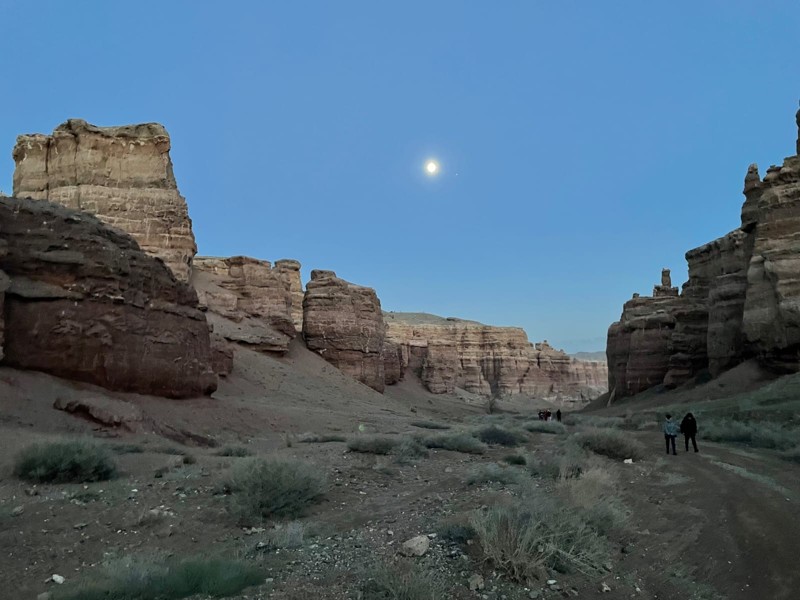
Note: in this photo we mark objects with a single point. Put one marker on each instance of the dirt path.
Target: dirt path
(719, 521)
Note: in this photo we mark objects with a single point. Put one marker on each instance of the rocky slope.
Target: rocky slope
(123, 175)
(742, 299)
(487, 360)
(80, 300)
(342, 322)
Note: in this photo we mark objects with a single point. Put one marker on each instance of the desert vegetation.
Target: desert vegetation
(79, 461)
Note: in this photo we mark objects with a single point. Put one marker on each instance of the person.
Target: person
(670, 429)
(558, 415)
(689, 430)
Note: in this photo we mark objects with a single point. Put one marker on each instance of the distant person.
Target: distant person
(689, 430)
(670, 429)
(558, 415)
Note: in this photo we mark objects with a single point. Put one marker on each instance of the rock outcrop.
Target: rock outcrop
(742, 299)
(491, 361)
(343, 323)
(248, 301)
(289, 270)
(123, 175)
(83, 302)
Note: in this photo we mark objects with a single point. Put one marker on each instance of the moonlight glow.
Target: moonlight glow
(432, 167)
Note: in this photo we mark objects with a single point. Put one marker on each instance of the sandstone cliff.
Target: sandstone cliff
(82, 301)
(289, 271)
(487, 360)
(248, 301)
(742, 298)
(343, 323)
(123, 175)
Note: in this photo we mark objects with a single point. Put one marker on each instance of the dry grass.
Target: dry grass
(457, 442)
(498, 436)
(493, 473)
(388, 583)
(612, 443)
(545, 427)
(65, 462)
(372, 444)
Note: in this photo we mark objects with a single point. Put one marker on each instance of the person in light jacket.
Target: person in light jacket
(689, 430)
(670, 429)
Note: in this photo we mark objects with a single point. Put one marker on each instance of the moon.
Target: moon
(431, 167)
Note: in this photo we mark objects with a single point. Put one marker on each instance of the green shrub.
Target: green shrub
(494, 435)
(567, 465)
(407, 450)
(386, 583)
(514, 459)
(148, 580)
(493, 473)
(372, 444)
(313, 438)
(262, 489)
(457, 441)
(237, 451)
(758, 434)
(545, 427)
(64, 462)
(611, 443)
(537, 533)
(429, 425)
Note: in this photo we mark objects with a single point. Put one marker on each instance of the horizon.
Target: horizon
(558, 138)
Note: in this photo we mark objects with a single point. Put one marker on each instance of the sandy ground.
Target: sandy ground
(718, 524)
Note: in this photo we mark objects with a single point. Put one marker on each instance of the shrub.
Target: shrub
(429, 425)
(514, 459)
(145, 580)
(568, 465)
(407, 450)
(610, 442)
(238, 451)
(493, 473)
(494, 435)
(384, 583)
(538, 533)
(594, 492)
(753, 433)
(792, 455)
(274, 488)
(372, 444)
(456, 532)
(64, 462)
(290, 535)
(458, 442)
(313, 438)
(125, 448)
(545, 427)
(594, 421)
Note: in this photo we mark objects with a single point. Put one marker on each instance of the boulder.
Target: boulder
(103, 410)
(416, 546)
(123, 175)
(342, 322)
(84, 302)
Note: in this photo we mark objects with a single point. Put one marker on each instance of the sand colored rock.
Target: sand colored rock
(106, 411)
(123, 175)
(85, 303)
(342, 322)
(491, 361)
(289, 270)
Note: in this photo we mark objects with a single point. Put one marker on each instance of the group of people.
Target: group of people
(688, 427)
(546, 415)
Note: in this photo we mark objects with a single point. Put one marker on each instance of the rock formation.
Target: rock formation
(487, 360)
(83, 302)
(742, 298)
(289, 270)
(343, 323)
(123, 175)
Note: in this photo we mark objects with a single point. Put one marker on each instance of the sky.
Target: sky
(583, 145)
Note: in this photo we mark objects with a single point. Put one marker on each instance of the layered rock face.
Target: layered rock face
(289, 271)
(82, 301)
(248, 301)
(742, 298)
(343, 323)
(123, 175)
(487, 360)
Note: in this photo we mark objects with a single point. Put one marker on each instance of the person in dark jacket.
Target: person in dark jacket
(558, 415)
(689, 430)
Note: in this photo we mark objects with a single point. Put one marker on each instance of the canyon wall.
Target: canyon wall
(487, 360)
(83, 302)
(123, 175)
(742, 299)
(343, 323)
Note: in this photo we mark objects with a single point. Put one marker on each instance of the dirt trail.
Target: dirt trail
(721, 519)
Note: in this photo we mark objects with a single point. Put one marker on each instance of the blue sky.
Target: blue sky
(583, 145)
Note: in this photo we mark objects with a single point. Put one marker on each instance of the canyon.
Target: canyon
(741, 301)
(119, 183)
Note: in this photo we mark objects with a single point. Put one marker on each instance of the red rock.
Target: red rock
(85, 303)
